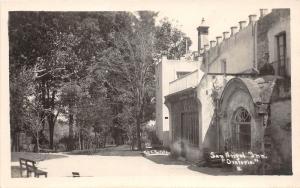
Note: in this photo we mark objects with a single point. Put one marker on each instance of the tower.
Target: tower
(202, 36)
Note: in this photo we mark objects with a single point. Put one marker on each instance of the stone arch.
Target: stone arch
(246, 84)
(239, 93)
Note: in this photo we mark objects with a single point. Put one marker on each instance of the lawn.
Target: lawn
(34, 156)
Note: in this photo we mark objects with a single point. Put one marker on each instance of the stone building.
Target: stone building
(238, 99)
(167, 71)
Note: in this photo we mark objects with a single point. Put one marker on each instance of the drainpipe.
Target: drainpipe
(217, 123)
(255, 46)
(253, 23)
(206, 59)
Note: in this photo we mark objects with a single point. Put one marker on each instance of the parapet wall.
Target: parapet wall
(237, 51)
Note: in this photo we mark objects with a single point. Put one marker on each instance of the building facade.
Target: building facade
(240, 96)
(167, 71)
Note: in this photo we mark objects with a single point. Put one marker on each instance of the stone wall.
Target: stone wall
(279, 135)
(267, 28)
(237, 51)
(205, 89)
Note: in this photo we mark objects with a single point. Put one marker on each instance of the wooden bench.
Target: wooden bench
(75, 174)
(30, 167)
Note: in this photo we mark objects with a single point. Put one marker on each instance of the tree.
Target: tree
(131, 64)
(170, 41)
(20, 90)
(127, 67)
(70, 95)
(33, 40)
(34, 120)
(96, 68)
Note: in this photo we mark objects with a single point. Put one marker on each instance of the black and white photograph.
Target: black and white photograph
(192, 89)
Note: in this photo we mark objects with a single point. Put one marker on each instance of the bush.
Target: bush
(153, 138)
(60, 147)
(64, 144)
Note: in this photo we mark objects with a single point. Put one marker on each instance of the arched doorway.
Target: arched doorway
(241, 130)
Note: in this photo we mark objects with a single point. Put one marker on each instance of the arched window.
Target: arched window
(241, 130)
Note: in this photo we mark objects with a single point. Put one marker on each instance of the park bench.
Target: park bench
(30, 167)
(75, 174)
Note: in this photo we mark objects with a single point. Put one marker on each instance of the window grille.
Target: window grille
(281, 53)
(185, 124)
(241, 131)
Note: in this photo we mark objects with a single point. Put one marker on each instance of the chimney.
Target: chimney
(219, 39)
(206, 47)
(212, 43)
(202, 35)
(225, 35)
(242, 24)
(263, 12)
(252, 19)
(233, 30)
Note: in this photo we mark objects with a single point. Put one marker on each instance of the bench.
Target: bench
(75, 174)
(30, 167)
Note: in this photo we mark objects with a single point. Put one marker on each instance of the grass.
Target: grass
(34, 156)
(122, 150)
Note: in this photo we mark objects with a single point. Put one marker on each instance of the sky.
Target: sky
(219, 15)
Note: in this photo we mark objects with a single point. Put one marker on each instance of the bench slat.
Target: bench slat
(29, 165)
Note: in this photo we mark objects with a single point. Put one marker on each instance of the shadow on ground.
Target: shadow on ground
(15, 172)
(167, 160)
(213, 171)
(34, 156)
(123, 150)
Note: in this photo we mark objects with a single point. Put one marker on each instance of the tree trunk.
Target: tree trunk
(37, 142)
(14, 144)
(95, 141)
(18, 148)
(51, 117)
(51, 130)
(71, 122)
(82, 142)
(132, 143)
(138, 132)
(104, 142)
(71, 131)
(79, 140)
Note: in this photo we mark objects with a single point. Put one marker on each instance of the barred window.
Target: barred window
(185, 124)
(281, 53)
(241, 130)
